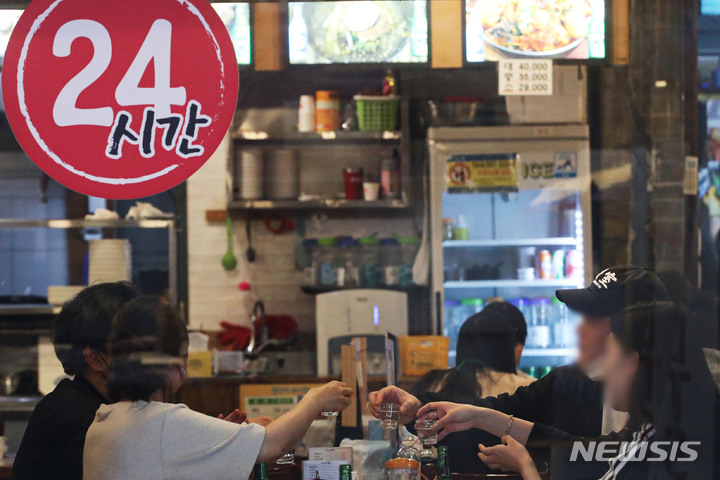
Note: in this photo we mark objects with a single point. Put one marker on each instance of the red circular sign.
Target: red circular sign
(120, 98)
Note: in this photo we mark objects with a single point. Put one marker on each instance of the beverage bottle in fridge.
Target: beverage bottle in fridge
(461, 230)
(470, 306)
(539, 329)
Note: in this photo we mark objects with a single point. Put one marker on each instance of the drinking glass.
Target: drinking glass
(425, 432)
(390, 414)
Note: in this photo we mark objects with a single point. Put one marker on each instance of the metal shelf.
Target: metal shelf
(329, 204)
(262, 138)
(549, 352)
(314, 290)
(563, 282)
(522, 242)
(79, 223)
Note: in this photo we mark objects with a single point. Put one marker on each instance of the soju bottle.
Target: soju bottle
(443, 463)
(345, 472)
(261, 472)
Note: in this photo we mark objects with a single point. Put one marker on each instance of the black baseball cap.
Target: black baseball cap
(614, 289)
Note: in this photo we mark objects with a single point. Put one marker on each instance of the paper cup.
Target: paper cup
(371, 191)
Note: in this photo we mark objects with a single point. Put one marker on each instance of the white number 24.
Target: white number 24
(155, 48)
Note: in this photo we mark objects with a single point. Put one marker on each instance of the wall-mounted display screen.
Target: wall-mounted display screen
(710, 7)
(570, 29)
(377, 31)
(8, 19)
(236, 17)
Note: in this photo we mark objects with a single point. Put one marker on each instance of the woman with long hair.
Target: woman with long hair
(642, 338)
(141, 435)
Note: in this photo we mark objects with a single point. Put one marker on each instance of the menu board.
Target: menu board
(500, 29)
(8, 19)
(367, 31)
(236, 17)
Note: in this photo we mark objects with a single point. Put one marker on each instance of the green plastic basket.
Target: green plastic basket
(376, 114)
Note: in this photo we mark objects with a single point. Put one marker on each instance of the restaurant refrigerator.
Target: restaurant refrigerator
(510, 219)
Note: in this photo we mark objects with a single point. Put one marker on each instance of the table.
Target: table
(6, 467)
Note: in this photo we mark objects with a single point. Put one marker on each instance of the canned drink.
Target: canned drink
(573, 264)
(545, 263)
(558, 264)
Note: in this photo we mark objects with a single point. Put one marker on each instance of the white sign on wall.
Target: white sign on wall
(525, 77)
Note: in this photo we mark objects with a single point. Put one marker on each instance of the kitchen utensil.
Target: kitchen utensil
(250, 252)
(229, 262)
(10, 384)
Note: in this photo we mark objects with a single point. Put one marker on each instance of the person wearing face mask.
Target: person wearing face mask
(144, 436)
(569, 398)
(53, 442)
(635, 378)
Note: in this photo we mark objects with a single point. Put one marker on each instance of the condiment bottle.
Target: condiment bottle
(390, 180)
(327, 111)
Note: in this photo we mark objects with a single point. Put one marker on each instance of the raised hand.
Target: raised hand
(409, 404)
(451, 417)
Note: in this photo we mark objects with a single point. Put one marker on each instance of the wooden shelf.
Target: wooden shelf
(329, 138)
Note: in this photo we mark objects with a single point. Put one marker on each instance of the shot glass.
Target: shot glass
(329, 414)
(287, 459)
(389, 414)
(425, 433)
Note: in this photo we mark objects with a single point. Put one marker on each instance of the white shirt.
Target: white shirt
(158, 441)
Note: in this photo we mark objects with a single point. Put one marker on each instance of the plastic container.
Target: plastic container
(376, 113)
(347, 261)
(309, 269)
(408, 247)
(461, 230)
(327, 111)
(471, 306)
(403, 469)
(324, 258)
(523, 304)
(370, 260)
(390, 259)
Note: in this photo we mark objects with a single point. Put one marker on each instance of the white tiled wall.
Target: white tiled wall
(213, 293)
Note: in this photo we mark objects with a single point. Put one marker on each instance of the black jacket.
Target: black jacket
(566, 399)
(52, 447)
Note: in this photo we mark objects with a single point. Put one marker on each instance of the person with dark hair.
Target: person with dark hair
(52, 446)
(143, 436)
(642, 337)
(489, 347)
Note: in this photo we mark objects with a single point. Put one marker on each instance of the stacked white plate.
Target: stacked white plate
(109, 261)
(250, 172)
(281, 175)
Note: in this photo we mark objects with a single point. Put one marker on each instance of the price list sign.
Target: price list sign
(120, 98)
(526, 77)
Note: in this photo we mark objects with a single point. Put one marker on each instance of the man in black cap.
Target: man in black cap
(569, 398)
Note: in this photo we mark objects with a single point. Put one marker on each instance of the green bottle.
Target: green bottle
(261, 471)
(345, 472)
(443, 463)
